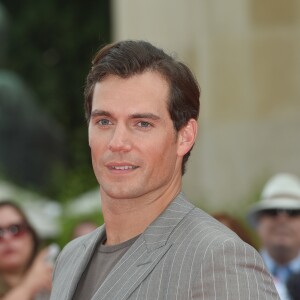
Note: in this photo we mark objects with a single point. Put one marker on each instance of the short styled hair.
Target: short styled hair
(128, 58)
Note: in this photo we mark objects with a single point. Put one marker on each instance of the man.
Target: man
(142, 106)
(277, 220)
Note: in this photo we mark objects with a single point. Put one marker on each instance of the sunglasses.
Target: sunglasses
(14, 230)
(275, 212)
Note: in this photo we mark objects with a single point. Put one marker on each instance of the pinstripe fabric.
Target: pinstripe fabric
(183, 254)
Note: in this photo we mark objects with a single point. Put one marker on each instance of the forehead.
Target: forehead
(9, 215)
(146, 90)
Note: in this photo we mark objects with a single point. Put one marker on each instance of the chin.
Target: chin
(120, 192)
(10, 266)
(281, 248)
(120, 195)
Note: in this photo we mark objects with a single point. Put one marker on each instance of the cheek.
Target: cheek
(264, 228)
(19, 258)
(163, 157)
(26, 248)
(96, 148)
(95, 139)
(296, 228)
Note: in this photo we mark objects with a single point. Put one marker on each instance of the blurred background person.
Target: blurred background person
(83, 228)
(25, 273)
(235, 225)
(277, 221)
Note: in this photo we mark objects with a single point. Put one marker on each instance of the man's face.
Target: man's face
(135, 149)
(279, 232)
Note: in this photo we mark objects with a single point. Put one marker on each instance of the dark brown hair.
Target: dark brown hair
(35, 238)
(128, 58)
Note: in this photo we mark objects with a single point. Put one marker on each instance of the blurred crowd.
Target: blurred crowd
(26, 261)
(276, 221)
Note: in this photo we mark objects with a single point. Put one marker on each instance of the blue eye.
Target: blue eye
(104, 122)
(144, 124)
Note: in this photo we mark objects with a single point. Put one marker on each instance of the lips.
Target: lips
(8, 251)
(121, 166)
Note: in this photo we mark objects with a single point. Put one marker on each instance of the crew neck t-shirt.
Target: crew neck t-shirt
(101, 263)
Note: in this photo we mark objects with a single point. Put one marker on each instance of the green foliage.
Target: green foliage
(50, 46)
(79, 179)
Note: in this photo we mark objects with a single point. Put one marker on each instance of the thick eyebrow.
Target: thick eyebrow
(97, 113)
(145, 116)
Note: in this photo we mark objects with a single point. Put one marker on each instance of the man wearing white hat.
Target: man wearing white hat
(277, 221)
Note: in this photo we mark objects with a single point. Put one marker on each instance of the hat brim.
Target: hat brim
(281, 203)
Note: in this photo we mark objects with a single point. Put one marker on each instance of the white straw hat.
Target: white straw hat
(282, 191)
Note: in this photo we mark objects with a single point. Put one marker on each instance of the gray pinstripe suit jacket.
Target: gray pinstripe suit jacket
(183, 254)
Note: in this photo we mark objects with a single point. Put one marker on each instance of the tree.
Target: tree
(51, 44)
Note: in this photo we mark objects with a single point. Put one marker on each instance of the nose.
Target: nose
(282, 216)
(6, 236)
(120, 140)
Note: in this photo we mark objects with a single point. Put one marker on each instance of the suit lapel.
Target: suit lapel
(144, 254)
(83, 255)
(130, 271)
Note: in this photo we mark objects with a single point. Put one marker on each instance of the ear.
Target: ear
(186, 137)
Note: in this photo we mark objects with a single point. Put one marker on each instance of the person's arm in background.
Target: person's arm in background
(37, 279)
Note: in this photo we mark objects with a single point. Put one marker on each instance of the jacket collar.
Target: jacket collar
(138, 262)
(159, 231)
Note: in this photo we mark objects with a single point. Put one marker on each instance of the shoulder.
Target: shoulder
(201, 236)
(194, 227)
(75, 248)
(222, 261)
(201, 227)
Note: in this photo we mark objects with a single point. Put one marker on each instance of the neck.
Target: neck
(127, 218)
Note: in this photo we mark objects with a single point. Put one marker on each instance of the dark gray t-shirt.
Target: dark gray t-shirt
(102, 262)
